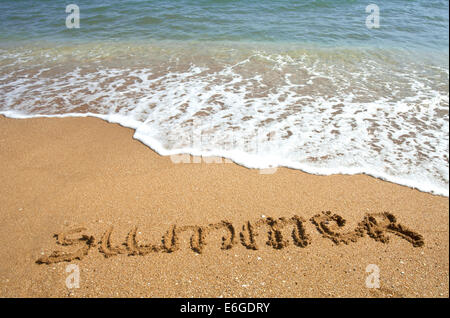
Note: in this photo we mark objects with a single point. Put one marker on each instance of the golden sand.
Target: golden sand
(144, 226)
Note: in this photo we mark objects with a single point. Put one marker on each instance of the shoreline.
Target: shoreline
(65, 173)
(168, 153)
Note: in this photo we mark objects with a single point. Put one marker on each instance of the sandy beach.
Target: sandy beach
(144, 226)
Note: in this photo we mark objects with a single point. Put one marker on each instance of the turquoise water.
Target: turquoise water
(405, 23)
(302, 84)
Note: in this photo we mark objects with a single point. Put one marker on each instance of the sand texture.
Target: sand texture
(83, 191)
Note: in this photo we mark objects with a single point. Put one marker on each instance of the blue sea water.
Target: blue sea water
(303, 84)
(404, 23)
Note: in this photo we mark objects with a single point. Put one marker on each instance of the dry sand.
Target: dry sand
(62, 174)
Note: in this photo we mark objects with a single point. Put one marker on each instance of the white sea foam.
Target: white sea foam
(313, 113)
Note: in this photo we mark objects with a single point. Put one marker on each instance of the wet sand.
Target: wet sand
(61, 174)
